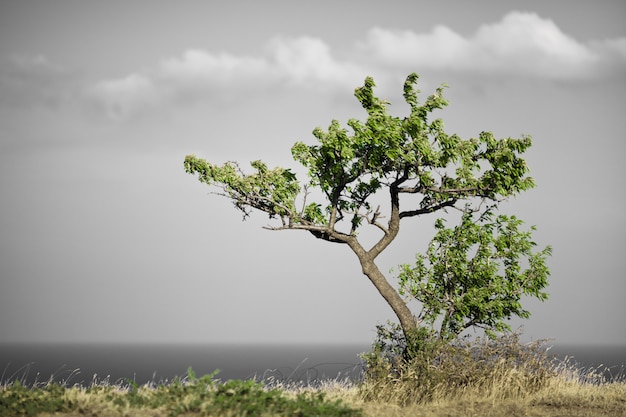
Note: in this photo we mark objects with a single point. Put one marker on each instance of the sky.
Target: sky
(105, 238)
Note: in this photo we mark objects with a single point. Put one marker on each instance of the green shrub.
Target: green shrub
(18, 400)
(427, 369)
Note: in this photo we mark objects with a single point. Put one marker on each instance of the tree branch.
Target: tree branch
(320, 232)
(394, 221)
(430, 209)
(373, 221)
(439, 190)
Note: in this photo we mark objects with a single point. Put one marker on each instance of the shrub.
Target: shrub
(428, 369)
(19, 400)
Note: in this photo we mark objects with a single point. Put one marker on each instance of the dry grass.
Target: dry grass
(567, 399)
(532, 385)
(483, 377)
(478, 378)
(560, 399)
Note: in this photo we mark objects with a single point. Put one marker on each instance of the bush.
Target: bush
(427, 369)
(19, 400)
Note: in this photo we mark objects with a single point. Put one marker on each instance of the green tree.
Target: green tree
(393, 157)
(475, 274)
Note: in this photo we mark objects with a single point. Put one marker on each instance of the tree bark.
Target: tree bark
(395, 301)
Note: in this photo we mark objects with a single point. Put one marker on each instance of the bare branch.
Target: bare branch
(373, 221)
(306, 195)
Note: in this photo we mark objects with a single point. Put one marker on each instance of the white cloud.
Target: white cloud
(438, 48)
(520, 44)
(526, 43)
(613, 56)
(197, 68)
(125, 97)
(307, 59)
(198, 74)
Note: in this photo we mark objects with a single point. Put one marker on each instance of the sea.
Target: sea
(90, 364)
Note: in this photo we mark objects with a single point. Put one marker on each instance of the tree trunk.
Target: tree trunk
(395, 301)
(370, 269)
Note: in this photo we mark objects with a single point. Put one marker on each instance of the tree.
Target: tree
(393, 157)
(473, 275)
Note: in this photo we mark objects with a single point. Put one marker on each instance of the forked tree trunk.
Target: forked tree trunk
(370, 269)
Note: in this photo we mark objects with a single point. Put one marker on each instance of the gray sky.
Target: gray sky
(103, 237)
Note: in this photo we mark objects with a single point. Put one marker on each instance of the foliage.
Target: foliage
(203, 396)
(242, 398)
(272, 191)
(474, 275)
(497, 368)
(410, 156)
(23, 401)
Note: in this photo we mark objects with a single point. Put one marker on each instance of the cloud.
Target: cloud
(125, 97)
(522, 44)
(201, 75)
(197, 68)
(306, 59)
(519, 45)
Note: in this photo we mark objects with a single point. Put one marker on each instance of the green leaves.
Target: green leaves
(349, 165)
(313, 213)
(272, 191)
(476, 273)
(473, 274)
(19, 400)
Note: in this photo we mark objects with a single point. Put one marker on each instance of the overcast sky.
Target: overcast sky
(104, 238)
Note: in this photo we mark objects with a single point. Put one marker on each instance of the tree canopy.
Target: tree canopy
(411, 156)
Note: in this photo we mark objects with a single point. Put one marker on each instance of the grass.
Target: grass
(191, 396)
(472, 378)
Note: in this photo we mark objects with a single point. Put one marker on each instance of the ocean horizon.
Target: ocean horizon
(86, 364)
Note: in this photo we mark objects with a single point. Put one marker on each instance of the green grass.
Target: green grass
(473, 378)
(205, 396)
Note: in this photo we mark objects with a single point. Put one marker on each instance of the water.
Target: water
(84, 364)
(142, 363)
(609, 361)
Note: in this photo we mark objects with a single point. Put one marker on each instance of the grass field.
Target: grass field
(240, 398)
(489, 379)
